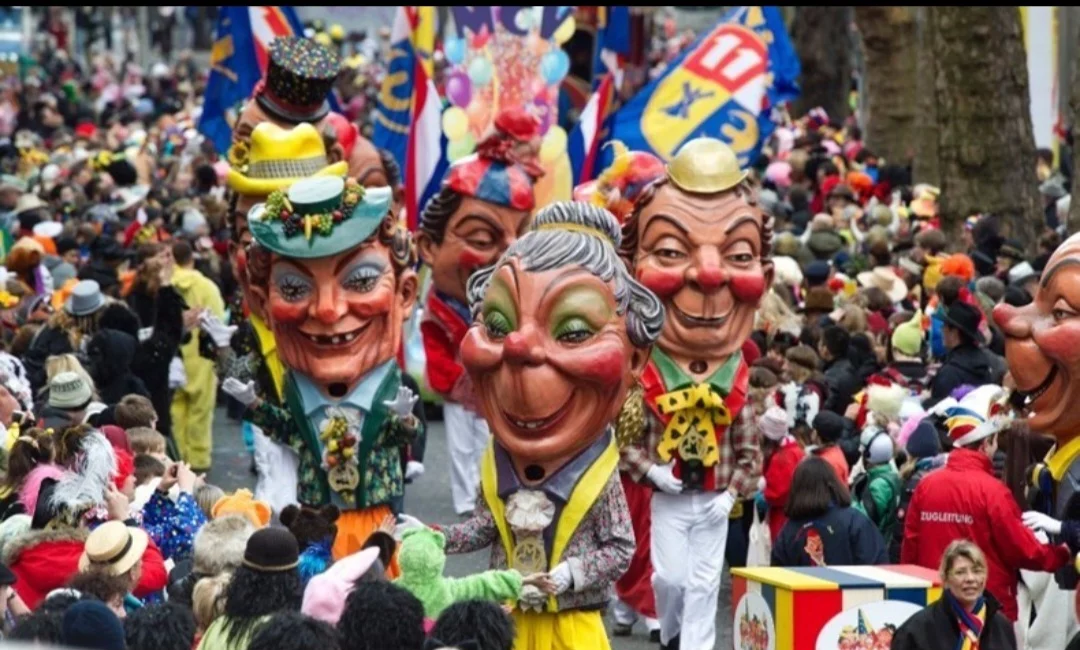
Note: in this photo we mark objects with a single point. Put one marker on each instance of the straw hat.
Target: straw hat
(114, 547)
(884, 278)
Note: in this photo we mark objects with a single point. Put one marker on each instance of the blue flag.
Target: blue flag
(723, 86)
(238, 62)
(612, 35)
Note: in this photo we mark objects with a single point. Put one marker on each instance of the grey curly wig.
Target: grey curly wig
(572, 233)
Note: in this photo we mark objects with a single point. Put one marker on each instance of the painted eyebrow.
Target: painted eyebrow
(368, 172)
(350, 259)
(740, 221)
(555, 283)
(482, 217)
(669, 220)
(1054, 269)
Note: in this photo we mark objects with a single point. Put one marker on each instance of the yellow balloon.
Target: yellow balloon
(455, 122)
(322, 38)
(553, 144)
(337, 32)
(565, 31)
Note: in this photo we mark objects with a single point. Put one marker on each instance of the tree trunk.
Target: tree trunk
(888, 42)
(986, 149)
(1074, 110)
(925, 137)
(822, 38)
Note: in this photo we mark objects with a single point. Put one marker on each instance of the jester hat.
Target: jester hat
(503, 169)
(618, 187)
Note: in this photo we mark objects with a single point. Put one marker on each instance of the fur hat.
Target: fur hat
(886, 400)
(219, 545)
(311, 525)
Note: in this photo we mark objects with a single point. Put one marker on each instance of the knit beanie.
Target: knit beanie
(879, 450)
(271, 550)
(907, 337)
(924, 441)
(91, 624)
(829, 426)
(773, 424)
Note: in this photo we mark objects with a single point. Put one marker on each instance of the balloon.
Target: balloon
(454, 48)
(543, 113)
(479, 115)
(455, 123)
(553, 145)
(554, 66)
(565, 31)
(480, 70)
(524, 19)
(458, 149)
(458, 88)
(538, 46)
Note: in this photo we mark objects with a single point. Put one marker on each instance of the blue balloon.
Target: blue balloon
(480, 71)
(554, 66)
(454, 49)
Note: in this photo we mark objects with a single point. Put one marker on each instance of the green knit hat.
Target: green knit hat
(319, 217)
(907, 337)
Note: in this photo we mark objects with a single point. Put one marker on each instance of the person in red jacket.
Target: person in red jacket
(963, 500)
(484, 203)
(782, 455)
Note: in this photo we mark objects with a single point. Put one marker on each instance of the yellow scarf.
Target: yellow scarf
(696, 412)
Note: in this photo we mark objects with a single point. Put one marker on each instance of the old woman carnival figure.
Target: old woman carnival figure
(483, 206)
(697, 240)
(1042, 346)
(333, 268)
(561, 333)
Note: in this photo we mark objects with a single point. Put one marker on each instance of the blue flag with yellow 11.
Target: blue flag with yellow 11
(724, 86)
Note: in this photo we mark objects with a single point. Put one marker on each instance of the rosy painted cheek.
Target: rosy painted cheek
(663, 282)
(288, 312)
(602, 363)
(470, 259)
(369, 305)
(479, 355)
(747, 287)
(1061, 342)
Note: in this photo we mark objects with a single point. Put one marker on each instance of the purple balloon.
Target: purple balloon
(543, 113)
(459, 89)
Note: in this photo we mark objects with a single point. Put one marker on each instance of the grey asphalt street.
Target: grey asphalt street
(428, 498)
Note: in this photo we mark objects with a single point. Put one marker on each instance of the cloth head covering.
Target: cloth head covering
(907, 338)
(496, 173)
(773, 424)
(91, 624)
(242, 503)
(325, 595)
(272, 550)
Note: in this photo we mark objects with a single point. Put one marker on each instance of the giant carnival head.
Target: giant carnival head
(483, 206)
(562, 332)
(698, 240)
(332, 268)
(1042, 345)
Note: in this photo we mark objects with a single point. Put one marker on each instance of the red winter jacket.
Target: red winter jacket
(48, 559)
(963, 500)
(779, 470)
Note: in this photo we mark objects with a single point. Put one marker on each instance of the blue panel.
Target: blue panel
(913, 596)
(768, 592)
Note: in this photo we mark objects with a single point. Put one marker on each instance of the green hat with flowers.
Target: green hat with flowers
(318, 217)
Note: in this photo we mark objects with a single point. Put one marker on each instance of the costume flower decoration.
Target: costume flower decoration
(238, 156)
(339, 433)
(105, 158)
(529, 511)
(279, 208)
(7, 301)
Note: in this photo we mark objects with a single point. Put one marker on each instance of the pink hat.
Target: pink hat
(779, 173)
(774, 424)
(324, 597)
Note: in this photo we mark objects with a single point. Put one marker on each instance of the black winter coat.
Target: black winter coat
(843, 381)
(965, 364)
(847, 537)
(111, 354)
(935, 628)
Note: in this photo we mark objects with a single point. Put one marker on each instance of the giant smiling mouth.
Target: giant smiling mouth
(536, 426)
(1025, 399)
(331, 340)
(698, 321)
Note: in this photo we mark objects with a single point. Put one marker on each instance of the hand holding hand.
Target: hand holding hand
(561, 578)
(664, 479)
(243, 392)
(1038, 521)
(403, 402)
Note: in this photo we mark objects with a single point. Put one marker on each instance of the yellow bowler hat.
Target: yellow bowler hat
(279, 157)
(705, 166)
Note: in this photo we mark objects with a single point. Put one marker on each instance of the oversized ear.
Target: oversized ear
(335, 154)
(288, 515)
(769, 271)
(639, 358)
(408, 287)
(426, 247)
(330, 512)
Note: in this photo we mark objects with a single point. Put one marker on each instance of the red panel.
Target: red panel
(738, 590)
(811, 610)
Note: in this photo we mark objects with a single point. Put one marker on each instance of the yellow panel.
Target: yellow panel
(786, 579)
(784, 616)
(932, 595)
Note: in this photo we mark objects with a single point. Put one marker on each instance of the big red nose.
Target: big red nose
(1015, 322)
(523, 346)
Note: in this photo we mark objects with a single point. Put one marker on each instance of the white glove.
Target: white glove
(1038, 521)
(243, 392)
(663, 478)
(402, 404)
(219, 331)
(413, 469)
(562, 577)
(405, 523)
(177, 374)
(720, 507)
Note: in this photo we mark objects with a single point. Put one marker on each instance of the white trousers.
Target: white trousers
(688, 560)
(467, 437)
(278, 468)
(625, 615)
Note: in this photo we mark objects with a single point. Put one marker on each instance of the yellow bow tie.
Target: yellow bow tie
(692, 429)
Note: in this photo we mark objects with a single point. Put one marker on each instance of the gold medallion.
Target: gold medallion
(344, 478)
(530, 556)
